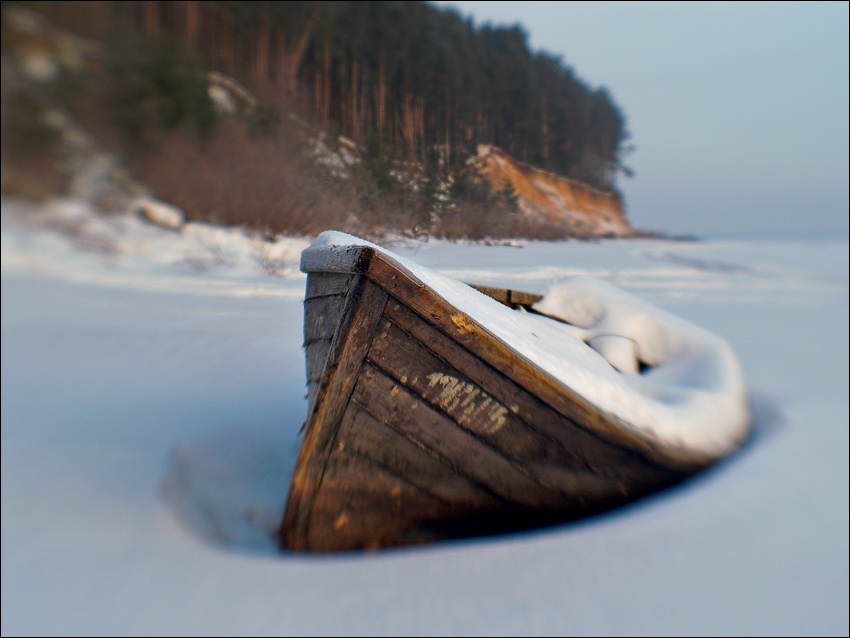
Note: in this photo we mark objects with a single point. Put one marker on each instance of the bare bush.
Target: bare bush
(269, 262)
(265, 183)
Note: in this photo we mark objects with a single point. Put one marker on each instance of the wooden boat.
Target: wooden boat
(423, 425)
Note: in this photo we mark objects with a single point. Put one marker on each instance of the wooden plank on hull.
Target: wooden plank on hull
(323, 284)
(469, 334)
(389, 402)
(351, 343)
(511, 298)
(322, 317)
(473, 406)
(361, 505)
(400, 456)
(565, 442)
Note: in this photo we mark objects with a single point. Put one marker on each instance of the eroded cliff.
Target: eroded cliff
(584, 210)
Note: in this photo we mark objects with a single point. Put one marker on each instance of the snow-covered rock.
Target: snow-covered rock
(159, 212)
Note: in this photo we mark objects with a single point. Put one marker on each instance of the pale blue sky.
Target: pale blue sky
(739, 111)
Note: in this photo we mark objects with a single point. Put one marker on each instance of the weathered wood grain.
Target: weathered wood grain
(466, 332)
(558, 441)
(324, 304)
(424, 426)
(497, 424)
(322, 317)
(351, 343)
(316, 355)
(361, 505)
(508, 297)
(461, 452)
(322, 284)
(400, 456)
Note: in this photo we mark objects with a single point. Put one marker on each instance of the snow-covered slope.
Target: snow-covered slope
(150, 412)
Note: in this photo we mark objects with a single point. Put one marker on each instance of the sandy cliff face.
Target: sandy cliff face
(584, 209)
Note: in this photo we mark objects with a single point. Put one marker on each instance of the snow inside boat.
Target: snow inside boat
(437, 410)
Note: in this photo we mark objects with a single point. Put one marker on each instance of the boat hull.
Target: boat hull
(422, 426)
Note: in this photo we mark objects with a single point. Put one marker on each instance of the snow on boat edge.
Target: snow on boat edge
(436, 411)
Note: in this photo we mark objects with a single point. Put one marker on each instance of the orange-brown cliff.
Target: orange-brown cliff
(586, 211)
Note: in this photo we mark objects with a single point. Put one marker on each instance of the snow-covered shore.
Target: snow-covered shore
(153, 387)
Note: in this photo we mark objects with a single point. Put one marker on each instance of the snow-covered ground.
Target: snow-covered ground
(153, 387)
